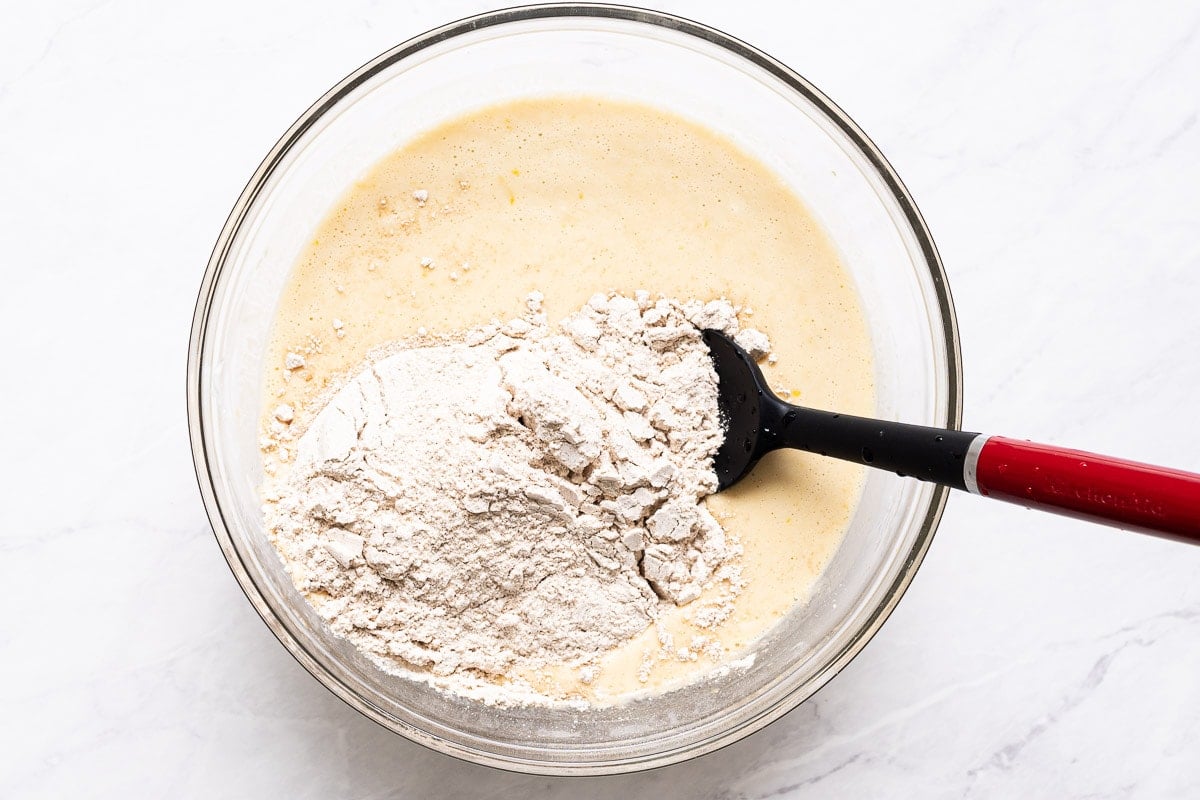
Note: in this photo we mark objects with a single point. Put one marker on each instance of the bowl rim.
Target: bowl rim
(259, 180)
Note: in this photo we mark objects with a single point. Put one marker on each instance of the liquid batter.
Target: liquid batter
(569, 197)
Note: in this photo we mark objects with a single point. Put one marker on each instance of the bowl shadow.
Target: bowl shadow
(359, 758)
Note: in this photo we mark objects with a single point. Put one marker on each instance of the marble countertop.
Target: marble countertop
(1055, 152)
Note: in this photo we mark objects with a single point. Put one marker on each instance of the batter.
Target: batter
(567, 197)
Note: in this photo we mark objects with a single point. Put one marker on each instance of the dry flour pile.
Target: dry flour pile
(515, 496)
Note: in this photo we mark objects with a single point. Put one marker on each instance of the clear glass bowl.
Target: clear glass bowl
(701, 74)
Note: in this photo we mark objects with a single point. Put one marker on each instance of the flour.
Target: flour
(515, 496)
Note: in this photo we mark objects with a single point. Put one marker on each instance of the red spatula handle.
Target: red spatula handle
(1127, 494)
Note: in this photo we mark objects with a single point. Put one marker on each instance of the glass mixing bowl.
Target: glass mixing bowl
(701, 74)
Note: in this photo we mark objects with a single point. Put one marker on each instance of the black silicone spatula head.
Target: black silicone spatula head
(741, 392)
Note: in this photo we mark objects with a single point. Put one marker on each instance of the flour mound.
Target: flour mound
(516, 496)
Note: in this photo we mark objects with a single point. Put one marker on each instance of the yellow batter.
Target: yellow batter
(570, 196)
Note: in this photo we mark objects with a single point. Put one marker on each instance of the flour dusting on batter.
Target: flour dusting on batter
(515, 496)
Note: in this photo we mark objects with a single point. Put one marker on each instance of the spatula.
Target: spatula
(1126, 494)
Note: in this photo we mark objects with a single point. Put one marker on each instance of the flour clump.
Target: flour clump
(515, 496)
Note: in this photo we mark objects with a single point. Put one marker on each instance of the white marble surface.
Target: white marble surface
(1055, 153)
